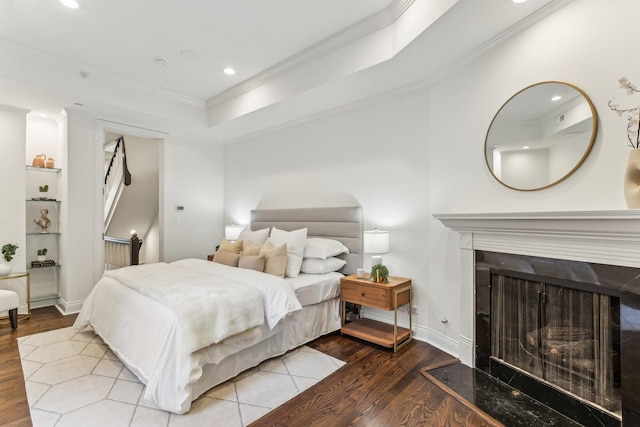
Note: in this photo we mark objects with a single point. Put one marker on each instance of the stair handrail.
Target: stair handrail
(127, 174)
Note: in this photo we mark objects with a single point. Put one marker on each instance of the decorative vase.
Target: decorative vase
(632, 180)
(42, 258)
(5, 268)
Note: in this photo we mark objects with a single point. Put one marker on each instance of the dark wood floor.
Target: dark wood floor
(375, 388)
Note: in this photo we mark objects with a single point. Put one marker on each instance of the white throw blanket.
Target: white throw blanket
(209, 309)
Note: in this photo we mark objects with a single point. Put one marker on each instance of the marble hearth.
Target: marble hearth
(599, 237)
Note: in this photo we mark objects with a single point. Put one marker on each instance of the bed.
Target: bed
(158, 343)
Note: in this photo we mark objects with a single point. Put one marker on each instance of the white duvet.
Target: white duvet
(165, 354)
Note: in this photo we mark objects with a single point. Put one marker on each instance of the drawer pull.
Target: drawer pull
(362, 293)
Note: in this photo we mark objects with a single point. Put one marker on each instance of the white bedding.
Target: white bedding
(148, 337)
(314, 288)
(208, 308)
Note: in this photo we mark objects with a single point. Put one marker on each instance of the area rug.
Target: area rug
(73, 379)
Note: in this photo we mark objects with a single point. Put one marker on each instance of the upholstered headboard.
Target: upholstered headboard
(340, 223)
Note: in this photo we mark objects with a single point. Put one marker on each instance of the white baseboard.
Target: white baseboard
(65, 308)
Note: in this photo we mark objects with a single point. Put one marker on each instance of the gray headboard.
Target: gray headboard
(340, 223)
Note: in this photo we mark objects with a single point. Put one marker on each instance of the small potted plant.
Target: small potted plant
(379, 274)
(42, 254)
(8, 251)
(42, 190)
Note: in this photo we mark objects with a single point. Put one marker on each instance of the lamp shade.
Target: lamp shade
(232, 232)
(376, 242)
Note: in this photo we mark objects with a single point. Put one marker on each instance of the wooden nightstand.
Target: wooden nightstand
(386, 296)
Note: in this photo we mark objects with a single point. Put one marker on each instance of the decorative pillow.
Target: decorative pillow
(258, 237)
(250, 248)
(295, 241)
(226, 258)
(252, 262)
(321, 266)
(233, 247)
(275, 259)
(318, 247)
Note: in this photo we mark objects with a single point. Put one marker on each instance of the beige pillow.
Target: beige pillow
(252, 262)
(226, 258)
(275, 259)
(233, 247)
(251, 248)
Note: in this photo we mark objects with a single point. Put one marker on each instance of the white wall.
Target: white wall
(193, 178)
(12, 182)
(407, 157)
(376, 155)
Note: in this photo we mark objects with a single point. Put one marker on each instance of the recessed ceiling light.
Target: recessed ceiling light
(526, 147)
(556, 98)
(229, 71)
(519, 1)
(72, 4)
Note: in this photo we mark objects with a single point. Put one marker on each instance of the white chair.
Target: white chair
(9, 301)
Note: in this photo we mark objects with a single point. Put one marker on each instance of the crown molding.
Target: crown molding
(465, 59)
(320, 49)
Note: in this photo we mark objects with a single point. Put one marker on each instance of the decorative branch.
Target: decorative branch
(633, 119)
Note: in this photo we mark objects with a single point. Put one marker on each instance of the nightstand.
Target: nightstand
(385, 296)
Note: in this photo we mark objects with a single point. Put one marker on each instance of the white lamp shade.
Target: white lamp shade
(232, 232)
(376, 242)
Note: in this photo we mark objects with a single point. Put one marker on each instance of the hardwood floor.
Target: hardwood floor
(14, 409)
(375, 388)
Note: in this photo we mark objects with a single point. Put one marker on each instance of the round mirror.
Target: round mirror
(540, 136)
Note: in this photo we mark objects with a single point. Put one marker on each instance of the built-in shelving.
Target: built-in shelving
(44, 279)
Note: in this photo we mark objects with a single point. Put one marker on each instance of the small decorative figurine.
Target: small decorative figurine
(43, 221)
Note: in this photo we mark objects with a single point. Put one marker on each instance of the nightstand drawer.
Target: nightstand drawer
(366, 295)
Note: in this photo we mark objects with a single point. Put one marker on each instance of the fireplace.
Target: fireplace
(591, 258)
(554, 326)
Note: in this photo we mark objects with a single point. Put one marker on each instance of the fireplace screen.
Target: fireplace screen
(566, 337)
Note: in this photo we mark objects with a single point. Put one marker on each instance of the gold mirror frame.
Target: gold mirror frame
(518, 97)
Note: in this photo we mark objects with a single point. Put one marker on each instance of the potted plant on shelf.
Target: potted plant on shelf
(43, 189)
(8, 251)
(379, 274)
(42, 254)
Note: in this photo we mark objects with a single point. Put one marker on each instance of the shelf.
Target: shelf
(43, 234)
(44, 200)
(52, 170)
(43, 267)
(373, 331)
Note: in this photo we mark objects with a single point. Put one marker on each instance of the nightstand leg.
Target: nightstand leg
(395, 322)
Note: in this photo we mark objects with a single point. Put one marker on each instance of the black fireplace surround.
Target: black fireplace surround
(622, 283)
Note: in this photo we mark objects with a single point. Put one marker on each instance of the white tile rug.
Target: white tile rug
(73, 379)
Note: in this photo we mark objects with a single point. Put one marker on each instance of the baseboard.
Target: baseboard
(65, 308)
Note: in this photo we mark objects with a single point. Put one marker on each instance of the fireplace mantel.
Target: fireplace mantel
(610, 237)
(604, 237)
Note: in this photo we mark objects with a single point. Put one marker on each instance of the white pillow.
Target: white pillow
(317, 247)
(258, 237)
(321, 266)
(295, 241)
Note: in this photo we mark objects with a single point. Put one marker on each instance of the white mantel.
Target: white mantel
(605, 237)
